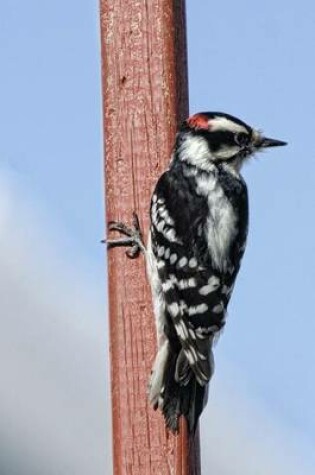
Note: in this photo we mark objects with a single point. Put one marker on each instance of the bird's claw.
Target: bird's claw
(133, 237)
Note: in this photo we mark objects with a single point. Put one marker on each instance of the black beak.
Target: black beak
(265, 142)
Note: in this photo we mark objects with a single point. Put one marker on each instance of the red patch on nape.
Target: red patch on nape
(198, 121)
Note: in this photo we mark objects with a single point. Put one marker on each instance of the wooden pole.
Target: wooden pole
(145, 97)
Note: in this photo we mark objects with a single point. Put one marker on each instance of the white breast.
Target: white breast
(221, 226)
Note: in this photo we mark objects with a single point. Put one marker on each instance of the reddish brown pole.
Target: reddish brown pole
(145, 94)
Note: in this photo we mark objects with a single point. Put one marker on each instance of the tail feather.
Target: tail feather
(157, 382)
(183, 370)
(179, 391)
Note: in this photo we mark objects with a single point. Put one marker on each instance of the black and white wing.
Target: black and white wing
(191, 289)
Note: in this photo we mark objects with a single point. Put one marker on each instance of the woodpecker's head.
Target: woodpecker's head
(214, 137)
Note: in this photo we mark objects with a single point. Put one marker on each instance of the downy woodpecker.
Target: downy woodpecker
(199, 221)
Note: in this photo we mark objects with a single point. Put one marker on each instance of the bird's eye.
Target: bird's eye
(241, 139)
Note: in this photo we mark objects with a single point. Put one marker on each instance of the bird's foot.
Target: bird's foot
(133, 237)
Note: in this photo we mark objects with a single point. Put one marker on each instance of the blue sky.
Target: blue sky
(253, 62)
(258, 68)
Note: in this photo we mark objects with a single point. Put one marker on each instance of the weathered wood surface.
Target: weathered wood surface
(145, 91)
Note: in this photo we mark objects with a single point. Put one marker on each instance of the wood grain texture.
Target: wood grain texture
(145, 91)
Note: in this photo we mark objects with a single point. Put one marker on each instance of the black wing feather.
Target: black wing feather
(193, 316)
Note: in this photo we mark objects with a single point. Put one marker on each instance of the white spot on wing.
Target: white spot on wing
(218, 308)
(173, 309)
(182, 262)
(161, 250)
(173, 258)
(213, 284)
(192, 262)
(201, 356)
(154, 215)
(167, 285)
(160, 226)
(203, 333)
(194, 310)
(170, 235)
(165, 215)
(160, 264)
(187, 283)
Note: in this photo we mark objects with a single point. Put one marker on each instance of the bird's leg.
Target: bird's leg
(133, 237)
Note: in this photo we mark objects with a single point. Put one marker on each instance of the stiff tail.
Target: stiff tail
(175, 390)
